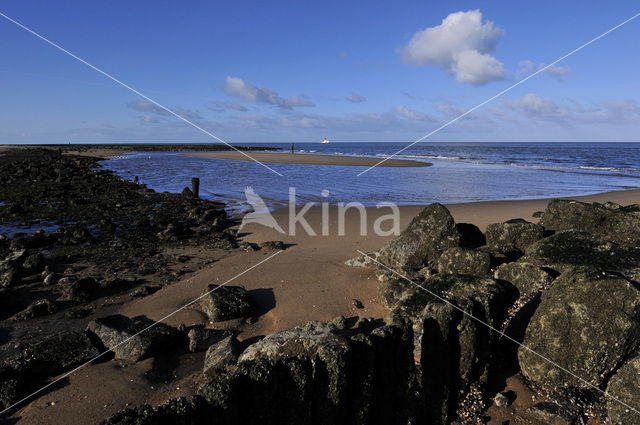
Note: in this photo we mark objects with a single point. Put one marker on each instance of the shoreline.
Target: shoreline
(311, 159)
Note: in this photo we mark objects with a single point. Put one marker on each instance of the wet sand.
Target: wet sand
(311, 159)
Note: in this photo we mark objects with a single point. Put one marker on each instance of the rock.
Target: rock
(187, 192)
(501, 400)
(357, 304)
(537, 214)
(81, 290)
(551, 414)
(220, 354)
(610, 222)
(471, 235)
(454, 349)
(33, 263)
(8, 392)
(391, 290)
(35, 309)
(464, 261)
(226, 303)
(142, 339)
(340, 323)
(363, 260)
(587, 322)
(316, 374)
(51, 279)
(569, 249)
(54, 355)
(429, 234)
(10, 268)
(624, 386)
(512, 237)
(528, 278)
(273, 245)
(202, 338)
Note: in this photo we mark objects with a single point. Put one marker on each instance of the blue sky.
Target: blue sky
(257, 72)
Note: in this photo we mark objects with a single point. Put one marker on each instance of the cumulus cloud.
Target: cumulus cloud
(527, 67)
(238, 87)
(149, 107)
(536, 107)
(356, 98)
(410, 114)
(462, 45)
(221, 106)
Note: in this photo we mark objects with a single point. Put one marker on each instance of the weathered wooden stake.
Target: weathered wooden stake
(195, 187)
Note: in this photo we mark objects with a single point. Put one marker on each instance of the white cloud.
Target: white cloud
(462, 45)
(527, 67)
(238, 87)
(410, 114)
(221, 106)
(356, 98)
(536, 107)
(149, 107)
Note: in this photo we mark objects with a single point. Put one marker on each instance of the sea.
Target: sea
(461, 172)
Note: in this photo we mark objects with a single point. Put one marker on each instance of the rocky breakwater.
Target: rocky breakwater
(566, 289)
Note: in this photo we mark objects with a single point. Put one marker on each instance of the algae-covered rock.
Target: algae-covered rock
(455, 349)
(133, 338)
(178, 411)
(429, 234)
(512, 237)
(625, 387)
(527, 277)
(611, 222)
(226, 302)
(569, 249)
(464, 261)
(35, 309)
(588, 322)
(202, 338)
(81, 290)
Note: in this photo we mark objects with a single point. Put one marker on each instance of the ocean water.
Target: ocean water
(461, 172)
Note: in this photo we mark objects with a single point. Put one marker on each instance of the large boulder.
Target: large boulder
(453, 347)
(178, 411)
(35, 309)
(429, 234)
(588, 322)
(133, 338)
(317, 374)
(609, 221)
(464, 261)
(221, 354)
(226, 302)
(512, 237)
(625, 387)
(569, 249)
(527, 277)
(10, 268)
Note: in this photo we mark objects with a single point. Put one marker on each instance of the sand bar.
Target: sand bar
(311, 159)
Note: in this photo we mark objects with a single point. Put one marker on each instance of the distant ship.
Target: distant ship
(325, 141)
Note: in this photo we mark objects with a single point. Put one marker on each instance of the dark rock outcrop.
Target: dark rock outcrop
(429, 234)
(512, 237)
(528, 278)
(454, 349)
(569, 249)
(35, 309)
(125, 337)
(588, 322)
(226, 303)
(625, 386)
(611, 222)
(464, 261)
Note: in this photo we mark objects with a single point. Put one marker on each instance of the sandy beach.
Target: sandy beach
(308, 281)
(311, 159)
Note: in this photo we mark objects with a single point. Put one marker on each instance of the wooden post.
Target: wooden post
(195, 187)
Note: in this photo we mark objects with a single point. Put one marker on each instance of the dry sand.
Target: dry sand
(312, 159)
(307, 281)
